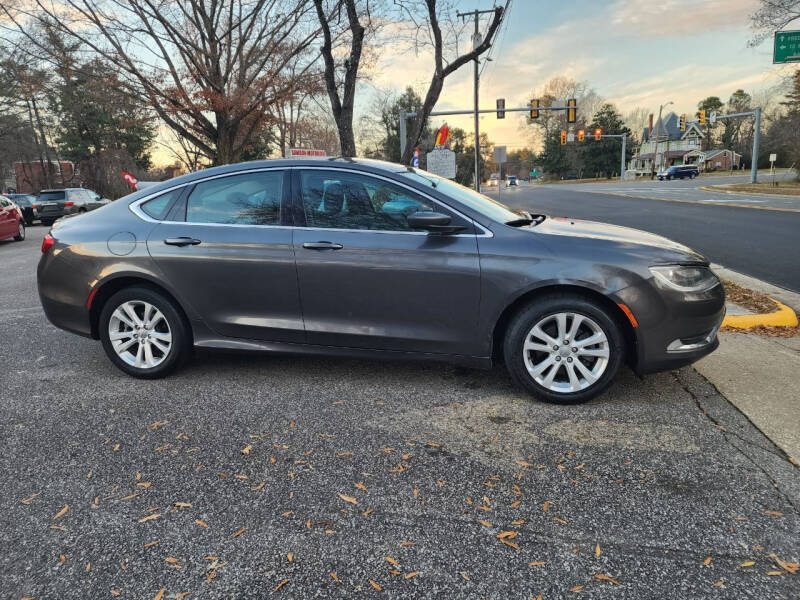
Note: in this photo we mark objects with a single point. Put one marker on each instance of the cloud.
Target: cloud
(678, 18)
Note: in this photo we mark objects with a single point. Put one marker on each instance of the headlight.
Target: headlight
(685, 278)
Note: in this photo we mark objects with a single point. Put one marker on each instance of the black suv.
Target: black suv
(679, 172)
(54, 204)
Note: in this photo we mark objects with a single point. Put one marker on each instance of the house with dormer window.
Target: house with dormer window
(676, 147)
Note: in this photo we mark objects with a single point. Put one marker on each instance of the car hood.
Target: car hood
(663, 249)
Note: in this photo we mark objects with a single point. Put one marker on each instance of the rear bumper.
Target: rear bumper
(63, 294)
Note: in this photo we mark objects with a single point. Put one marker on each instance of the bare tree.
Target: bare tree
(772, 16)
(428, 24)
(338, 33)
(210, 70)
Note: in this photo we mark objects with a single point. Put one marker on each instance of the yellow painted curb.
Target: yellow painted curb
(783, 317)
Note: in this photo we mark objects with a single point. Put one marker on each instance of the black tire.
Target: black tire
(21, 235)
(179, 329)
(524, 321)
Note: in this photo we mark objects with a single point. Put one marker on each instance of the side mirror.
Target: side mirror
(433, 222)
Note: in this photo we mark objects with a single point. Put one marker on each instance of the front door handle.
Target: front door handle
(181, 241)
(322, 246)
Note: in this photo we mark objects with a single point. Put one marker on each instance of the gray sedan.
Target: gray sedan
(312, 257)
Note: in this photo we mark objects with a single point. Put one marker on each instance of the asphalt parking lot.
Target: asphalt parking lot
(248, 476)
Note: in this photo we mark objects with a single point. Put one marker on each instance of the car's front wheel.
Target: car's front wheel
(143, 333)
(564, 349)
(20, 232)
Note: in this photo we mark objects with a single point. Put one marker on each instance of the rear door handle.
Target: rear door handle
(322, 246)
(181, 241)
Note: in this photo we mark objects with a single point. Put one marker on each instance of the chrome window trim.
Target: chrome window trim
(135, 207)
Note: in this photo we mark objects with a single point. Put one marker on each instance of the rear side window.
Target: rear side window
(247, 199)
(51, 196)
(157, 207)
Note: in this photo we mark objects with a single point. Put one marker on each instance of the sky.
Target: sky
(634, 53)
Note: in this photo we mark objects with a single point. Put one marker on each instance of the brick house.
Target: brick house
(31, 178)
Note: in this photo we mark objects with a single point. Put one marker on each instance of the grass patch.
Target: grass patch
(783, 187)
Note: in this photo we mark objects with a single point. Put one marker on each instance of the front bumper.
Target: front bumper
(675, 329)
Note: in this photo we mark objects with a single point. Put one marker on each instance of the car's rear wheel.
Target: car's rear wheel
(564, 349)
(20, 231)
(143, 333)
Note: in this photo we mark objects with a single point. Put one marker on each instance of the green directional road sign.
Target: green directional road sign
(787, 47)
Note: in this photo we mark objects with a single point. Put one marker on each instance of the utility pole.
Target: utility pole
(756, 113)
(476, 40)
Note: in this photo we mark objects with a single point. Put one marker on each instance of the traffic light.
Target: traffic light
(598, 133)
(683, 122)
(501, 106)
(563, 138)
(572, 112)
(701, 115)
(581, 135)
(534, 107)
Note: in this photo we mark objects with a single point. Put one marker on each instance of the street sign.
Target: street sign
(786, 48)
(713, 118)
(442, 162)
(570, 137)
(499, 155)
(773, 157)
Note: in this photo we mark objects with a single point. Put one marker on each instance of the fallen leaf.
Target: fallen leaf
(280, 585)
(485, 523)
(515, 503)
(786, 566)
(183, 505)
(144, 484)
(407, 543)
(597, 550)
(290, 557)
(523, 463)
(114, 592)
(506, 535)
(774, 513)
(576, 588)
(151, 544)
(172, 560)
(545, 506)
(240, 476)
(518, 522)
(538, 563)
(464, 575)
(259, 487)
(748, 563)
(719, 583)
(211, 575)
(349, 499)
(392, 561)
(361, 486)
(560, 520)
(130, 496)
(246, 449)
(149, 517)
(201, 523)
(181, 595)
(239, 532)
(335, 577)
(160, 594)
(415, 493)
(510, 544)
(29, 499)
(602, 577)
(375, 585)
(775, 572)
(62, 558)
(61, 513)
(412, 574)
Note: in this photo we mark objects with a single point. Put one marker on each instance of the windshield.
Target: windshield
(477, 202)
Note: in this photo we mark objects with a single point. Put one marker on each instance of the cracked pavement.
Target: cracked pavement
(398, 476)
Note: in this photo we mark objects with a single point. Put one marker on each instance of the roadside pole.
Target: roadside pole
(403, 117)
(622, 158)
(475, 42)
(756, 135)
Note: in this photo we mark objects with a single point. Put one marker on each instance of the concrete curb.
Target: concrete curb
(788, 302)
(722, 188)
(783, 317)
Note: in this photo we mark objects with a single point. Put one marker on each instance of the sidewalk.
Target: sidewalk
(760, 375)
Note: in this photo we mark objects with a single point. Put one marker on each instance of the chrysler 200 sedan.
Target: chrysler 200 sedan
(314, 257)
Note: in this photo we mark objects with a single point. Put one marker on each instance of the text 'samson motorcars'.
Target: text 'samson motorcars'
(365, 258)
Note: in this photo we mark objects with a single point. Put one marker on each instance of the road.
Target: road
(761, 243)
(258, 476)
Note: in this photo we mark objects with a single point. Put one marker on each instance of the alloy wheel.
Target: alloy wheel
(140, 334)
(566, 352)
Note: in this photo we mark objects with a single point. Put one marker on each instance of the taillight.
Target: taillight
(47, 243)
(69, 203)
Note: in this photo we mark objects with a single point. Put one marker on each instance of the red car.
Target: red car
(11, 222)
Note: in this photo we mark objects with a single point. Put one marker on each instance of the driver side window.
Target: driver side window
(345, 200)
